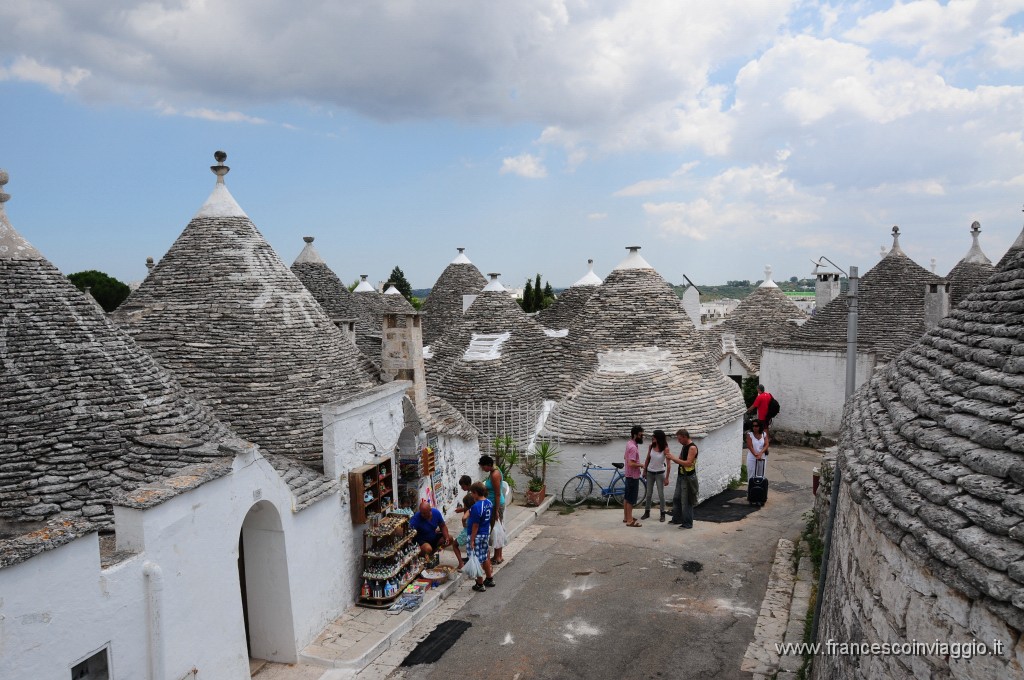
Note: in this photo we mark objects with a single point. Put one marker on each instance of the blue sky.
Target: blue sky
(719, 136)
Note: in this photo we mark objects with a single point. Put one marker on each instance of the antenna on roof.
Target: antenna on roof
(220, 169)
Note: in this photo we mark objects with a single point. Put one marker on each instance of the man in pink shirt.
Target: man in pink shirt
(633, 470)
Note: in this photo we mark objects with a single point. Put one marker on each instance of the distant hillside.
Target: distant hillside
(741, 289)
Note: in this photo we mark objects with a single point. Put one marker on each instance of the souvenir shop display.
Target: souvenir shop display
(372, 489)
(391, 559)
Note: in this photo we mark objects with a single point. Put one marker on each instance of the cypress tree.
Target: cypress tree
(527, 301)
(538, 295)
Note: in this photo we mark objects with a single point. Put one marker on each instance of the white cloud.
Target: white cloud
(654, 186)
(223, 116)
(597, 216)
(524, 165)
(27, 69)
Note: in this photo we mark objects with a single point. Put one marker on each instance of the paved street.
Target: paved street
(591, 598)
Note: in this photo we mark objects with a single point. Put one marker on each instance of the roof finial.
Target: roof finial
(150, 263)
(633, 249)
(461, 250)
(881, 251)
(933, 265)
(896, 241)
(308, 239)
(4, 197)
(767, 272)
(220, 169)
(975, 254)
(494, 284)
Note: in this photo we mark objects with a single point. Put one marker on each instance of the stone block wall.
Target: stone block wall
(878, 591)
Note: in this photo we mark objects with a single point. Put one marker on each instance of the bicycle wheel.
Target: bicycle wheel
(576, 490)
(618, 492)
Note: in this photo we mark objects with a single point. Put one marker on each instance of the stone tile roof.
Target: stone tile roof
(443, 418)
(971, 271)
(84, 413)
(1017, 244)
(635, 357)
(566, 307)
(237, 328)
(890, 311)
(933, 446)
(765, 315)
(526, 370)
(442, 309)
(339, 302)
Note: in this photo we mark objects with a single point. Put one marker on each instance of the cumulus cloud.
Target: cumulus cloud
(29, 70)
(214, 115)
(524, 165)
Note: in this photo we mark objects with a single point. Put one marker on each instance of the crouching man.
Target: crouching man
(432, 533)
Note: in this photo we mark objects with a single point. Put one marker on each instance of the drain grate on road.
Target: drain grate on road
(437, 643)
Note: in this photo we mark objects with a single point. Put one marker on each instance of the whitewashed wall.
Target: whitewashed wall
(191, 543)
(810, 387)
(730, 365)
(456, 457)
(718, 463)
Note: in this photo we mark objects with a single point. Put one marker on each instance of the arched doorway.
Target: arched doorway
(263, 579)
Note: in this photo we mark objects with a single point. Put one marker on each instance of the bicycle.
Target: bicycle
(579, 488)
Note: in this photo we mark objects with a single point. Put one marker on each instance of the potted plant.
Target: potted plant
(544, 454)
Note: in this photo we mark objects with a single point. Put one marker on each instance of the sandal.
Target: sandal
(489, 582)
(634, 523)
(498, 561)
(479, 588)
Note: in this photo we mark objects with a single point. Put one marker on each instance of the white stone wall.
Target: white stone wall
(192, 541)
(730, 366)
(877, 593)
(456, 457)
(810, 387)
(718, 462)
(362, 428)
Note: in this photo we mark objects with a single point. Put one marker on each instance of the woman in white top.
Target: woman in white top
(757, 449)
(657, 468)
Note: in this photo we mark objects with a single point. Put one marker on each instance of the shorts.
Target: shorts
(632, 490)
(481, 546)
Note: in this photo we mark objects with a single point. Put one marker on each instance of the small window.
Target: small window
(93, 668)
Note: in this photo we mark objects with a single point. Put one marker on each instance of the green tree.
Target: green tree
(549, 294)
(401, 283)
(749, 389)
(527, 301)
(538, 295)
(108, 291)
(352, 287)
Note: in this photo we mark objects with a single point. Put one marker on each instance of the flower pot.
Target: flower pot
(535, 498)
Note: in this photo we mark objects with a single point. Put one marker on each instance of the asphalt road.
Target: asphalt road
(592, 598)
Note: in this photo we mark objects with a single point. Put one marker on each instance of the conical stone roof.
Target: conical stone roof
(85, 414)
(932, 447)
(338, 301)
(1016, 245)
(970, 272)
(523, 364)
(241, 332)
(636, 358)
(570, 302)
(890, 311)
(765, 315)
(442, 309)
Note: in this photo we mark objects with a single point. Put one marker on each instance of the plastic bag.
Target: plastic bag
(498, 537)
(472, 568)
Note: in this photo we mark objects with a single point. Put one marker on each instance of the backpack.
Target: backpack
(773, 407)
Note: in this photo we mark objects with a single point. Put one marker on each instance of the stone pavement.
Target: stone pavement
(368, 643)
(782, 616)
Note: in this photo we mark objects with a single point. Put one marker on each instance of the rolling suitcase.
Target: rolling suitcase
(757, 486)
